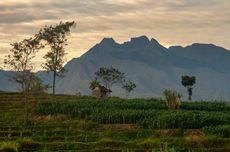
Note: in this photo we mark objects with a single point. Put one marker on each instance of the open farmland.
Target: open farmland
(72, 123)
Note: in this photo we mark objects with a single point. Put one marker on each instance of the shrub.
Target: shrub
(172, 99)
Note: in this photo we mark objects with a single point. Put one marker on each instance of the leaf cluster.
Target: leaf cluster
(129, 86)
(110, 76)
(21, 55)
(188, 80)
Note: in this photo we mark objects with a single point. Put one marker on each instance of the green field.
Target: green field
(73, 123)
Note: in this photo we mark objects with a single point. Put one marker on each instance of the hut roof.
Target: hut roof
(103, 89)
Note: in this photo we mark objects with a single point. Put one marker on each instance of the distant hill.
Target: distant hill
(151, 66)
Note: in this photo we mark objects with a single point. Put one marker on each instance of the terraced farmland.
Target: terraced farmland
(72, 123)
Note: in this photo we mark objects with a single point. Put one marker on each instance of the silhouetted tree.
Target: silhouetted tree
(55, 37)
(128, 86)
(109, 76)
(188, 82)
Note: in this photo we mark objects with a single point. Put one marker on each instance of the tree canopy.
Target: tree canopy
(188, 80)
(109, 76)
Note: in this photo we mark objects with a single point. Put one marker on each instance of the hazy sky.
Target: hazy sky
(171, 22)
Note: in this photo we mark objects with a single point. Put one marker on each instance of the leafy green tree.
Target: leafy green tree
(93, 84)
(109, 76)
(55, 37)
(172, 99)
(128, 86)
(188, 82)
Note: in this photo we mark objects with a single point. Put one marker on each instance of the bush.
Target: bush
(172, 99)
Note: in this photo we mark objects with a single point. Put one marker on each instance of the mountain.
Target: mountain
(151, 66)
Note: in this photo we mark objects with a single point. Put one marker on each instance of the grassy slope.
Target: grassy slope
(63, 132)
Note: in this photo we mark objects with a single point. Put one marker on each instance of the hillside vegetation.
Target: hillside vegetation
(74, 123)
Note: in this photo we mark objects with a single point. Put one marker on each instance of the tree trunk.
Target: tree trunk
(26, 108)
(54, 82)
(189, 98)
(127, 95)
(189, 93)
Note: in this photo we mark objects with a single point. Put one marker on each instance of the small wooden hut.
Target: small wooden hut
(101, 92)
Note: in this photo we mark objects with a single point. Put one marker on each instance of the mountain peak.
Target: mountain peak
(138, 42)
(154, 41)
(141, 39)
(107, 41)
(154, 44)
(176, 47)
(199, 44)
(203, 47)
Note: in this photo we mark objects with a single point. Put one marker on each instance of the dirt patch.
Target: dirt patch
(116, 127)
(189, 132)
(47, 118)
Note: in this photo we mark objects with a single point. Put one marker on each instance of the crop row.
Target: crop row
(142, 104)
(146, 113)
(221, 131)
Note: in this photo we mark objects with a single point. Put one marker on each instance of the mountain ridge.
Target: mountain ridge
(152, 66)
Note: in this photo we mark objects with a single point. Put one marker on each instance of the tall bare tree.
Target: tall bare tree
(55, 37)
(20, 61)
